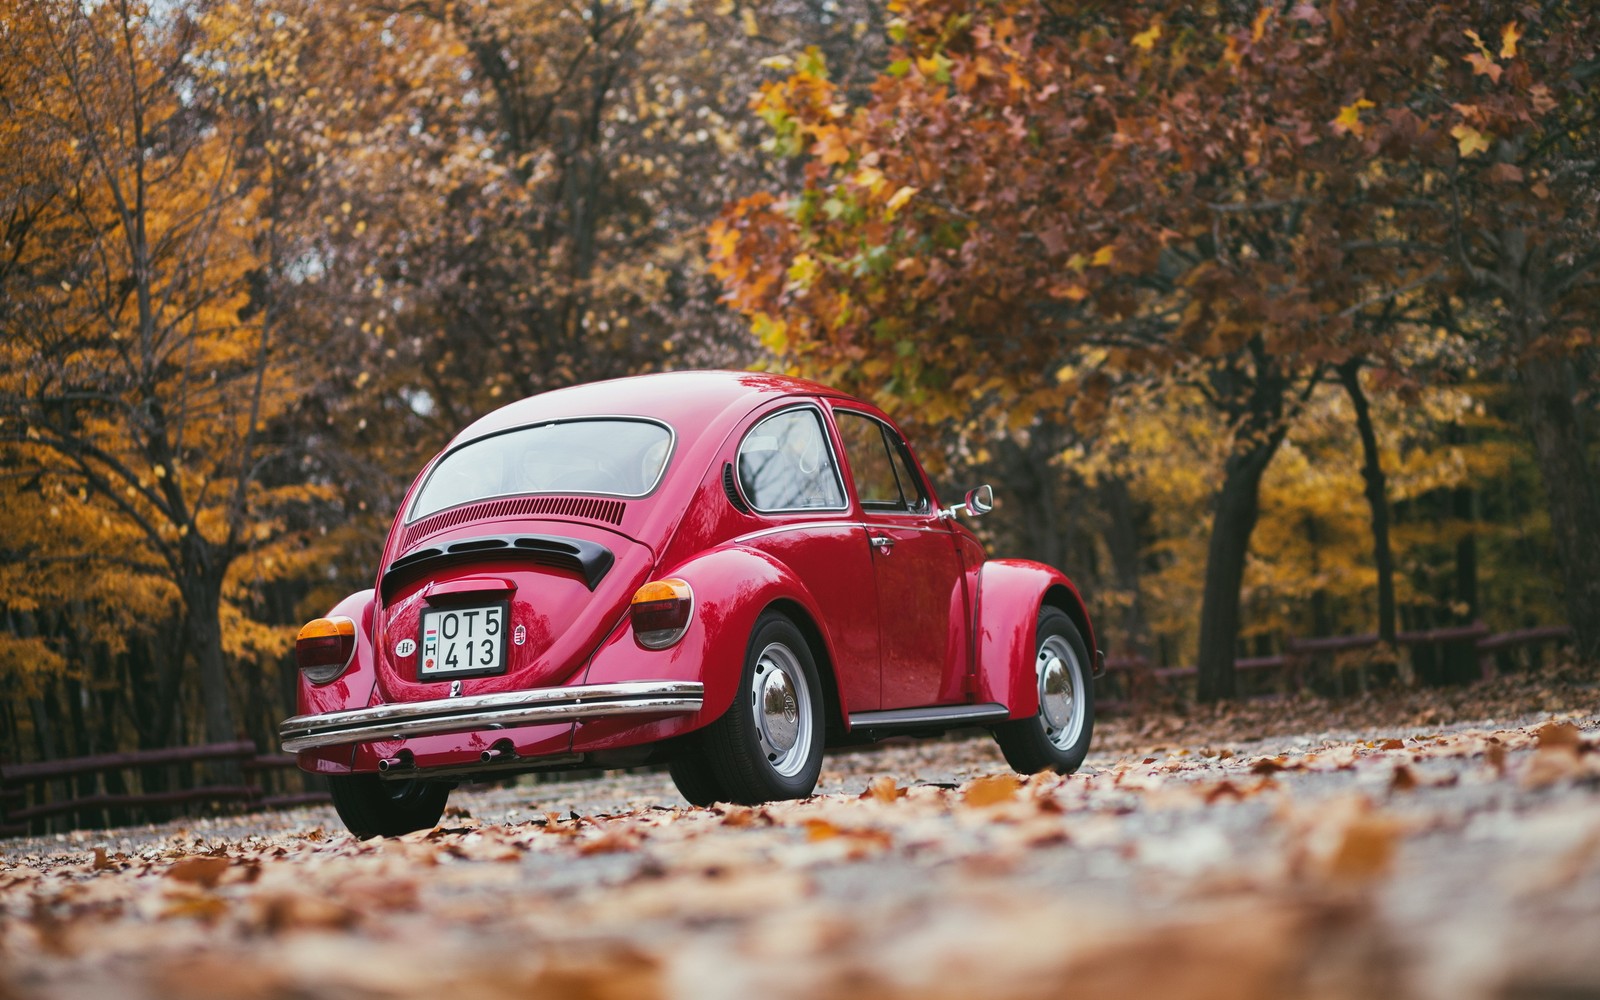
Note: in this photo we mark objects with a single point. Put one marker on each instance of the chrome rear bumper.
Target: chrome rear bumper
(512, 708)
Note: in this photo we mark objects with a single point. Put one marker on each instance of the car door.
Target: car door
(790, 477)
(916, 565)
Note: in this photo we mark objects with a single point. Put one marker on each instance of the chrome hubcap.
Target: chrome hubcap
(1060, 677)
(782, 708)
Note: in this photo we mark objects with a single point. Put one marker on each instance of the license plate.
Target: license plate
(457, 641)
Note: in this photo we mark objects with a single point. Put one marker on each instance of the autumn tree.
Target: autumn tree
(140, 393)
(1037, 202)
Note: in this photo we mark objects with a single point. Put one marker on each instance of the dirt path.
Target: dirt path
(1458, 862)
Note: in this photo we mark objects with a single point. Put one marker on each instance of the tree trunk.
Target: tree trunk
(203, 596)
(1122, 539)
(1377, 492)
(1571, 490)
(1234, 518)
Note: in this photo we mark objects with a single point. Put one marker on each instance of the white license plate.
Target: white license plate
(464, 640)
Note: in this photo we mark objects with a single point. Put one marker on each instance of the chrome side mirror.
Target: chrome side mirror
(977, 502)
(980, 500)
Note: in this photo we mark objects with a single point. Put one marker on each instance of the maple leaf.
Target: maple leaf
(1470, 140)
(1349, 118)
(1509, 36)
(1146, 39)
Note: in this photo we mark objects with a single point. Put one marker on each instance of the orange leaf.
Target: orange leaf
(206, 871)
(1509, 36)
(991, 791)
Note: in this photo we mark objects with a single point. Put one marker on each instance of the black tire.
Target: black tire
(746, 748)
(373, 807)
(693, 775)
(1043, 743)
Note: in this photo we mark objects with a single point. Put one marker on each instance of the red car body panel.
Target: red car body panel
(904, 609)
(1006, 628)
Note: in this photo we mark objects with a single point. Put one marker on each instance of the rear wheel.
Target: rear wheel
(692, 773)
(768, 745)
(1056, 738)
(373, 807)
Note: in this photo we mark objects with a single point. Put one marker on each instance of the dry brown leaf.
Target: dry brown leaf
(1392, 744)
(882, 789)
(203, 907)
(982, 792)
(202, 871)
(380, 893)
(1558, 735)
(620, 973)
(1269, 765)
(612, 842)
(279, 912)
(1402, 779)
(1552, 763)
(1366, 849)
(821, 829)
(1223, 790)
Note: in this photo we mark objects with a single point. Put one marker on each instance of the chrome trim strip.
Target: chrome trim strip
(938, 715)
(795, 526)
(450, 715)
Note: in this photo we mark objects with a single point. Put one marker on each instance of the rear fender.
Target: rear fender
(732, 587)
(1011, 593)
(351, 689)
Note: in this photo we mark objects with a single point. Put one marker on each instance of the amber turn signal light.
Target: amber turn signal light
(325, 648)
(660, 611)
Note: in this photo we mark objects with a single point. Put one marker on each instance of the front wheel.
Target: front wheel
(1056, 738)
(768, 744)
(373, 807)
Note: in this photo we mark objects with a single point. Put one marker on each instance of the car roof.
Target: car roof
(686, 400)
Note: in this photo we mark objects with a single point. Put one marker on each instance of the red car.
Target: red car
(726, 571)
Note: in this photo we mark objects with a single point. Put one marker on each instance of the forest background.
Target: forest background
(1265, 319)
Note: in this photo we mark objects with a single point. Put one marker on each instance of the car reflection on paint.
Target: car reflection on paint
(724, 571)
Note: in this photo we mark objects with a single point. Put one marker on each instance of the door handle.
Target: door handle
(883, 543)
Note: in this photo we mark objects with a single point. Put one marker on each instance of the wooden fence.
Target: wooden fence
(1139, 681)
(144, 786)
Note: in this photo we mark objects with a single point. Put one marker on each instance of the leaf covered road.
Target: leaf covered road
(1459, 861)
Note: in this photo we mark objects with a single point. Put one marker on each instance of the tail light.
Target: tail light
(325, 647)
(660, 612)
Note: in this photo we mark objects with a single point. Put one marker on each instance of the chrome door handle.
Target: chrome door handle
(883, 543)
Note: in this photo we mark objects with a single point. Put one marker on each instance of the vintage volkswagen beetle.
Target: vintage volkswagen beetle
(725, 571)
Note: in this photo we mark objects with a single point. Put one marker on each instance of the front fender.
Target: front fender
(351, 689)
(1011, 593)
(732, 587)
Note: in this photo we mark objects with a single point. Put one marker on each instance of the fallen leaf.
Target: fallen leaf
(202, 871)
(1553, 735)
(991, 790)
(279, 912)
(1366, 850)
(883, 789)
(203, 907)
(1269, 765)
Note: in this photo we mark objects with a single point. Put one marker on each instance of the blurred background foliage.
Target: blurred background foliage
(1153, 269)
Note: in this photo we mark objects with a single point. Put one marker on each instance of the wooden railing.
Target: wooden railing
(98, 790)
(1139, 680)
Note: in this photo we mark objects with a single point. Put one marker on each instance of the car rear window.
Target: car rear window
(609, 457)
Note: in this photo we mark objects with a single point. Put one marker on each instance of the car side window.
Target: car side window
(883, 474)
(910, 482)
(785, 464)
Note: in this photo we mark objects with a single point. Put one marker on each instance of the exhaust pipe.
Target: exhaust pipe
(503, 750)
(404, 761)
